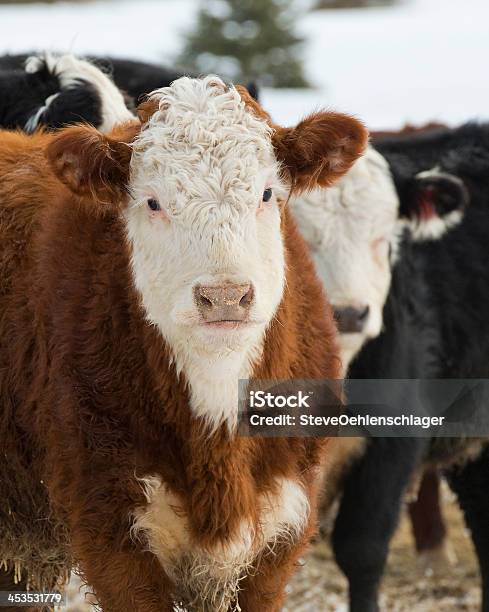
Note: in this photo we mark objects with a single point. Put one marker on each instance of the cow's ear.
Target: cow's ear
(90, 163)
(320, 149)
(433, 202)
(147, 108)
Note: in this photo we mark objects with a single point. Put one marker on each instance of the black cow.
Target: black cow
(53, 91)
(135, 78)
(433, 300)
(436, 325)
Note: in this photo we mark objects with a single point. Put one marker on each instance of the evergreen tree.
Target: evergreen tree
(246, 39)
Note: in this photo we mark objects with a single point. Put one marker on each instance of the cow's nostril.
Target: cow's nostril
(363, 314)
(247, 298)
(202, 300)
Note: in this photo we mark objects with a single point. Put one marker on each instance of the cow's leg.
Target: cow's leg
(264, 589)
(369, 512)
(123, 575)
(122, 579)
(429, 528)
(471, 484)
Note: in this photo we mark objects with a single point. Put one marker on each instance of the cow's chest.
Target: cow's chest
(207, 578)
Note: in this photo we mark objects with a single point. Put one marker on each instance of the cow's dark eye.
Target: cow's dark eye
(154, 205)
(267, 194)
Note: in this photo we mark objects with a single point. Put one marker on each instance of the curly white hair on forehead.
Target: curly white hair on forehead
(206, 142)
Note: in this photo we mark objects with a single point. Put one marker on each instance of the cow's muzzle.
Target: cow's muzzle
(351, 319)
(224, 303)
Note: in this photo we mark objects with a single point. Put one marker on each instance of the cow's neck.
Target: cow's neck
(213, 380)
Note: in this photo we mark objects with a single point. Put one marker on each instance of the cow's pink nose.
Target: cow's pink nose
(227, 302)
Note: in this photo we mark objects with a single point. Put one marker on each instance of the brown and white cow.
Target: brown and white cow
(143, 273)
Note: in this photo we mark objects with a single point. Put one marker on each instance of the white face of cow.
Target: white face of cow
(350, 229)
(196, 182)
(204, 221)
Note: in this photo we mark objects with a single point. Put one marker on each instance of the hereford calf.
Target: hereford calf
(143, 274)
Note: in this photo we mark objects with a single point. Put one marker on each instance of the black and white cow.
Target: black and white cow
(53, 91)
(402, 246)
(137, 79)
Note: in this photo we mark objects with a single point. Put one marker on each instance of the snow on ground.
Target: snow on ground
(421, 60)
